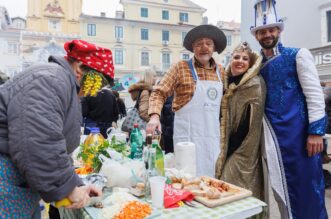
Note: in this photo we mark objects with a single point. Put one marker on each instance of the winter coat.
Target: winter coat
(144, 90)
(40, 118)
(243, 166)
(121, 107)
(167, 117)
(101, 108)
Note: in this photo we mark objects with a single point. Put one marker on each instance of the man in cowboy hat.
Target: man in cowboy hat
(197, 89)
(295, 110)
(40, 118)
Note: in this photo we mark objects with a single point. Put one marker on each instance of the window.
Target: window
(165, 35)
(54, 25)
(228, 40)
(19, 24)
(91, 30)
(183, 35)
(185, 56)
(119, 57)
(226, 60)
(12, 48)
(183, 17)
(165, 61)
(118, 32)
(144, 34)
(144, 59)
(143, 12)
(165, 15)
(328, 21)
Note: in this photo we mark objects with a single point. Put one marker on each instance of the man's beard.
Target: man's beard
(269, 46)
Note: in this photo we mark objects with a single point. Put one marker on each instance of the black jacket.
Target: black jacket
(167, 117)
(121, 107)
(101, 108)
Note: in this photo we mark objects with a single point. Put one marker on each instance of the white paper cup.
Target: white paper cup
(157, 184)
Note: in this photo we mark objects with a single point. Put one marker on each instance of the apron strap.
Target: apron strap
(194, 73)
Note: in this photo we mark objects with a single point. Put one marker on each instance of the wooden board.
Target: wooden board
(235, 193)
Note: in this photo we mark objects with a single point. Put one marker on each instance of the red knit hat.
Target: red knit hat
(95, 57)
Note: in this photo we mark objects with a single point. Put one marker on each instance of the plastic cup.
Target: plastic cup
(157, 184)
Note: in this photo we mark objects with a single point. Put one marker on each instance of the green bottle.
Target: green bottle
(159, 164)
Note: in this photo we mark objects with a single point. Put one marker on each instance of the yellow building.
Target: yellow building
(50, 23)
(146, 34)
(60, 16)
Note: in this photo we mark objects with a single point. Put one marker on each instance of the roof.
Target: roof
(18, 18)
(193, 5)
(189, 3)
(87, 17)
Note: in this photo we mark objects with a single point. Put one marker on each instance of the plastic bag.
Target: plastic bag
(122, 174)
(119, 135)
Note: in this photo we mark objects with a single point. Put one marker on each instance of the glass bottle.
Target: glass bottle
(146, 149)
(159, 164)
(151, 171)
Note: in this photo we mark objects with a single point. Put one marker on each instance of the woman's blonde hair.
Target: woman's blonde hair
(244, 47)
(149, 76)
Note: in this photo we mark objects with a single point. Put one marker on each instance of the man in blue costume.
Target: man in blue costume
(295, 112)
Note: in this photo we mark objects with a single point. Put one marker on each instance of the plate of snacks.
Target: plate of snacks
(210, 191)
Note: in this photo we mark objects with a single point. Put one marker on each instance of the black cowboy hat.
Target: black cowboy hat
(205, 31)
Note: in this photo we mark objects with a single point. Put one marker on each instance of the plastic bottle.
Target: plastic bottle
(63, 203)
(91, 143)
(159, 163)
(136, 143)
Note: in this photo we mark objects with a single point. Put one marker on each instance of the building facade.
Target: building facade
(146, 34)
(49, 24)
(55, 16)
(9, 45)
(10, 55)
(232, 32)
(312, 32)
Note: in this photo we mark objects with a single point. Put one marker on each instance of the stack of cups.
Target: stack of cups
(157, 184)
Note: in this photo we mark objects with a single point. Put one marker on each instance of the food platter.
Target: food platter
(111, 203)
(212, 192)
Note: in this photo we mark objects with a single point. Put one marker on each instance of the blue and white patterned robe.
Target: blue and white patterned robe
(295, 108)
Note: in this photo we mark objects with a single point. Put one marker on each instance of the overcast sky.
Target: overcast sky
(225, 10)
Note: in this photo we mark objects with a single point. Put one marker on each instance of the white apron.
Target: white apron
(198, 122)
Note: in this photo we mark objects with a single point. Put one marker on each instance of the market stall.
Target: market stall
(243, 208)
(183, 195)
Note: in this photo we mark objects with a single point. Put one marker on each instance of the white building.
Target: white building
(9, 45)
(307, 24)
(232, 32)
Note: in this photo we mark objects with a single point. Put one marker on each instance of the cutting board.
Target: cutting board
(235, 193)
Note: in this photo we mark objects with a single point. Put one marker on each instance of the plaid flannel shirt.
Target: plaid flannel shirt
(179, 81)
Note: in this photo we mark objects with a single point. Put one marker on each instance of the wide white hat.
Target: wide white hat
(266, 16)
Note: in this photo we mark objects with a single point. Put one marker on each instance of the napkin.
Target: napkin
(173, 196)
